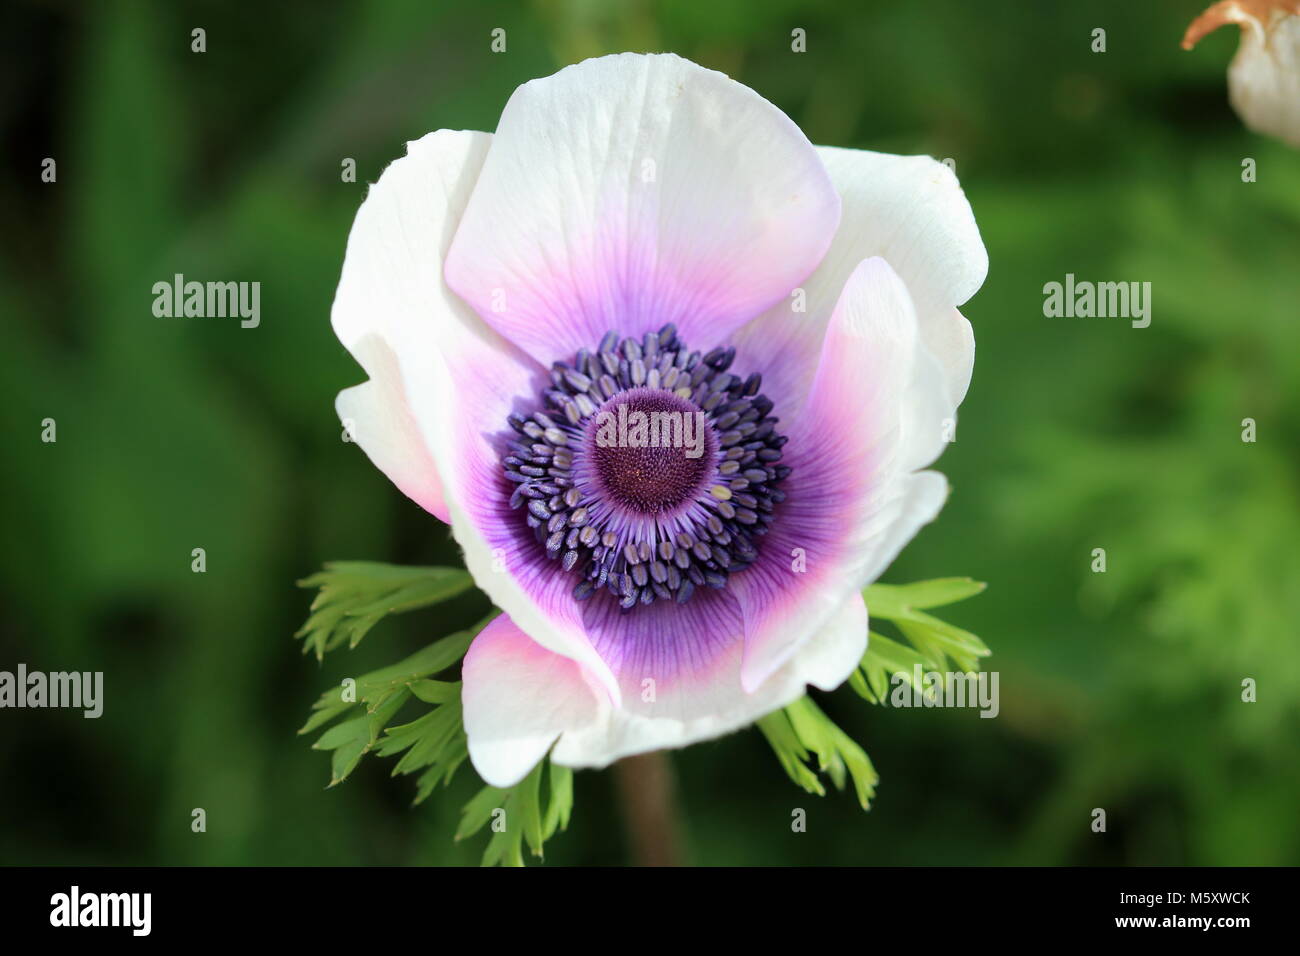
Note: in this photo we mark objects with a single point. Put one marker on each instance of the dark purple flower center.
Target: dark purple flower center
(651, 450)
(651, 472)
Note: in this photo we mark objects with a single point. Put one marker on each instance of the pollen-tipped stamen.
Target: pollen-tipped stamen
(648, 523)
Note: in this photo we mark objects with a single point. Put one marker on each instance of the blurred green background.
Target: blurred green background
(1119, 690)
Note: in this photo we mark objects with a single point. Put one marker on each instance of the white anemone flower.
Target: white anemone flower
(646, 232)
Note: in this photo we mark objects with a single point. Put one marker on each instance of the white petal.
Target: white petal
(853, 499)
(826, 661)
(1264, 78)
(391, 301)
(631, 191)
(424, 348)
(377, 416)
(832, 654)
(910, 211)
(518, 698)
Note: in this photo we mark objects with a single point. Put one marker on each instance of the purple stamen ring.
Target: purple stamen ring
(652, 470)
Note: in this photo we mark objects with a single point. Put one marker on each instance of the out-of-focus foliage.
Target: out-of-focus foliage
(1120, 690)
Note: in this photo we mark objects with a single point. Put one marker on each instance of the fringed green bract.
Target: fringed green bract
(355, 595)
(801, 731)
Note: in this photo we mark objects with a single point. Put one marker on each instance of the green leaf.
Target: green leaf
(437, 657)
(330, 705)
(892, 601)
(517, 815)
(435, 745)
(530, 808)
(801, 731)
(561, 802)
(963, 647)
(476, 813)
(356, 595)
(353, 738)
(934, 643)
(435, 691)
(435, 741)
(883, 659)
(790, 751)
(859, 766)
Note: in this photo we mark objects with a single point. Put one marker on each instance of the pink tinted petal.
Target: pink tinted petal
(685, 711)
(630, 191)
(909, 210)
(518, 698)
(850, 498)
(485, 380)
